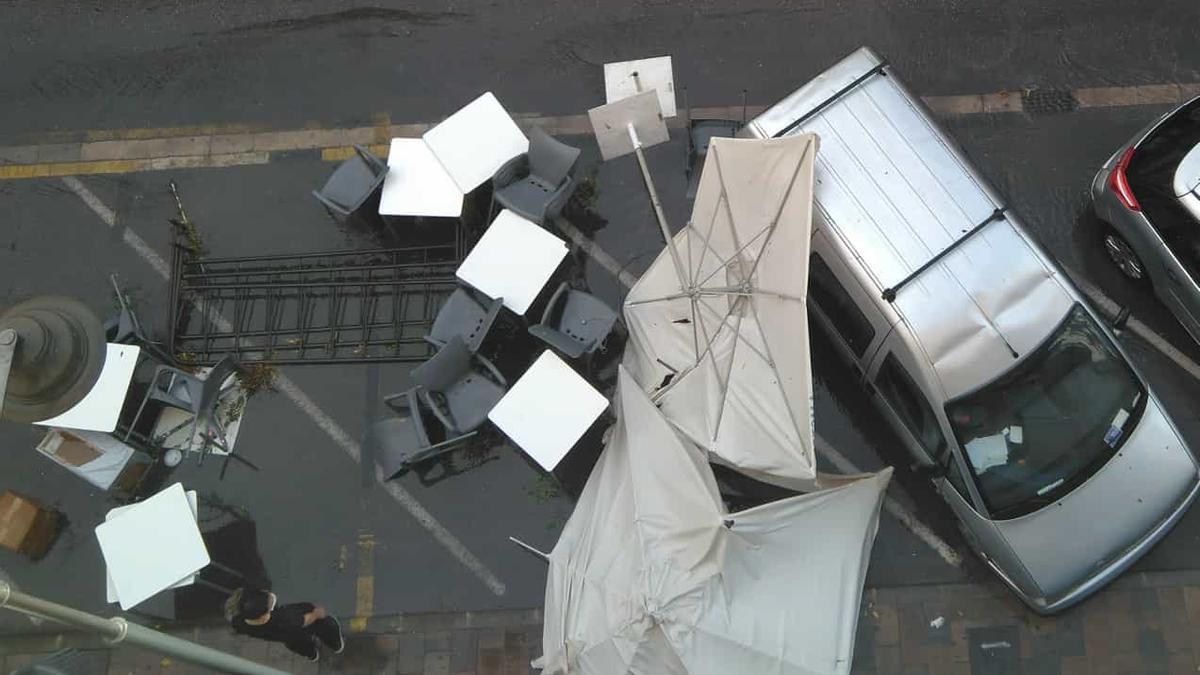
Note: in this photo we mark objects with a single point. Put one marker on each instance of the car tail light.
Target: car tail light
(1119, 184)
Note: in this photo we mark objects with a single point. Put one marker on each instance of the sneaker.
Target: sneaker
(341, 641)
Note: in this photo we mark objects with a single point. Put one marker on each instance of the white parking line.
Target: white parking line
(301, 399)
(1140, 329)
(890, 504)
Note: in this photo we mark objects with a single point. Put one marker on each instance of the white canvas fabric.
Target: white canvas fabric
(652, 576)
(731, 327)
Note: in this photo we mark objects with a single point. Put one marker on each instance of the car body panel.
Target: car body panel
(1140, 486)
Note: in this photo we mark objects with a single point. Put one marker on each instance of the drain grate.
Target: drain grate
(1049, 101)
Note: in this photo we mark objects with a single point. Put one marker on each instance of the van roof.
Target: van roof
(891, 186)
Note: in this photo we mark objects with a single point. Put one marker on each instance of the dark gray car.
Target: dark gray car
(1149, 194)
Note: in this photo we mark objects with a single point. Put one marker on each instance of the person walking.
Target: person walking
(301, 626)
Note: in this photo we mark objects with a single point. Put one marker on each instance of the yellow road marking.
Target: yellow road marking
(344, 152)
(234, 144)
(364, 587)
(143, 133)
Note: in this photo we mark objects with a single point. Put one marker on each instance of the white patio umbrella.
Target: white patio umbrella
(652, 577)
(728, 333)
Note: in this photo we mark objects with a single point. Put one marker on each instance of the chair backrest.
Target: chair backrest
(549, 160)
(213, 381)
(444, 368)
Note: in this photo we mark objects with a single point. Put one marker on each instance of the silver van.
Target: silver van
(1013, 396)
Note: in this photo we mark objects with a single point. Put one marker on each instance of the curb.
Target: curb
(70, 153)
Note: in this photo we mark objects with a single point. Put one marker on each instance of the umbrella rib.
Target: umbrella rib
(725, 383)
(786, 195)
(749, 346)
(774, 369)
(707, 241)
(736, 254)
(728, 210)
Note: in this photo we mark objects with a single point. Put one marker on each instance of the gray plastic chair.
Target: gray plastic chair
(354, 182)
(463, 315)
(700, 135)
(458, 393)
(538, 184)
(200, 397)
(574, 323)
(404, 441)
(126, 329)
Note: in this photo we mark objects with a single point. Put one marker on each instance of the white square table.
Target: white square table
(477, 140)
(548, 410)
(417, 184)
(652, 74)
(513, 260)
(152, 546)
(100, 408)
(111, 590)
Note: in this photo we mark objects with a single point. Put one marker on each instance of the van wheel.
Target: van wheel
(1123, 256)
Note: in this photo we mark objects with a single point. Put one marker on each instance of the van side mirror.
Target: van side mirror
(931, 471)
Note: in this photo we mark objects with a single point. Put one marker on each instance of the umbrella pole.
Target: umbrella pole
(527, 547)
(658, 212)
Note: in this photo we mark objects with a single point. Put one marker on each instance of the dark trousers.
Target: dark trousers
(322, 630)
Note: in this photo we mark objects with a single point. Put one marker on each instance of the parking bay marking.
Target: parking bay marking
(301, 399)
(890, 503)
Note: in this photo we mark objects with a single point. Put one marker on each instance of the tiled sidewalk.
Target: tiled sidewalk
(1145, 623)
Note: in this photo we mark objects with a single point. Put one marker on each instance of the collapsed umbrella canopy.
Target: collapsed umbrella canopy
(720, 338)
(652, 577)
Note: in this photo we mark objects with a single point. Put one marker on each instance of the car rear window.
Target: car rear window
(1152, 168)
(1151, 174)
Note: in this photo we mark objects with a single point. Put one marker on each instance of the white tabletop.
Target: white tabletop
(110, 589)
(152, 545)
(416, 184)
(475, 141)
(548, 409)
(100, 408)
(652, 74)
(513, 260)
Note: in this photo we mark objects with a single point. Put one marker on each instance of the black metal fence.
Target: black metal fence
(330, 307)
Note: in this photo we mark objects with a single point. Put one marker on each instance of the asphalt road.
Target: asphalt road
(71, 67)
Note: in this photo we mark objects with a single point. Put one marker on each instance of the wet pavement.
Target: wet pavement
(155, 63)
(318, 529)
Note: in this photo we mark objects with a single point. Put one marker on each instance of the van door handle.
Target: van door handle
(1171, 275)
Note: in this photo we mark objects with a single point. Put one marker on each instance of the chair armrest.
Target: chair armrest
(369, 157)
(558, 342)
(406, 394)
(487, 363)
(560, 197)
(441, 416)
(510, 171)
(436, 449)
(560, 295)
(330, 204)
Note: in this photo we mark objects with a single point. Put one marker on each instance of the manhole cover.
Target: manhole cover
(1049, 101)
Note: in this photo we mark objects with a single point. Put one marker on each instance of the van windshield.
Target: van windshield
(1041, 429)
